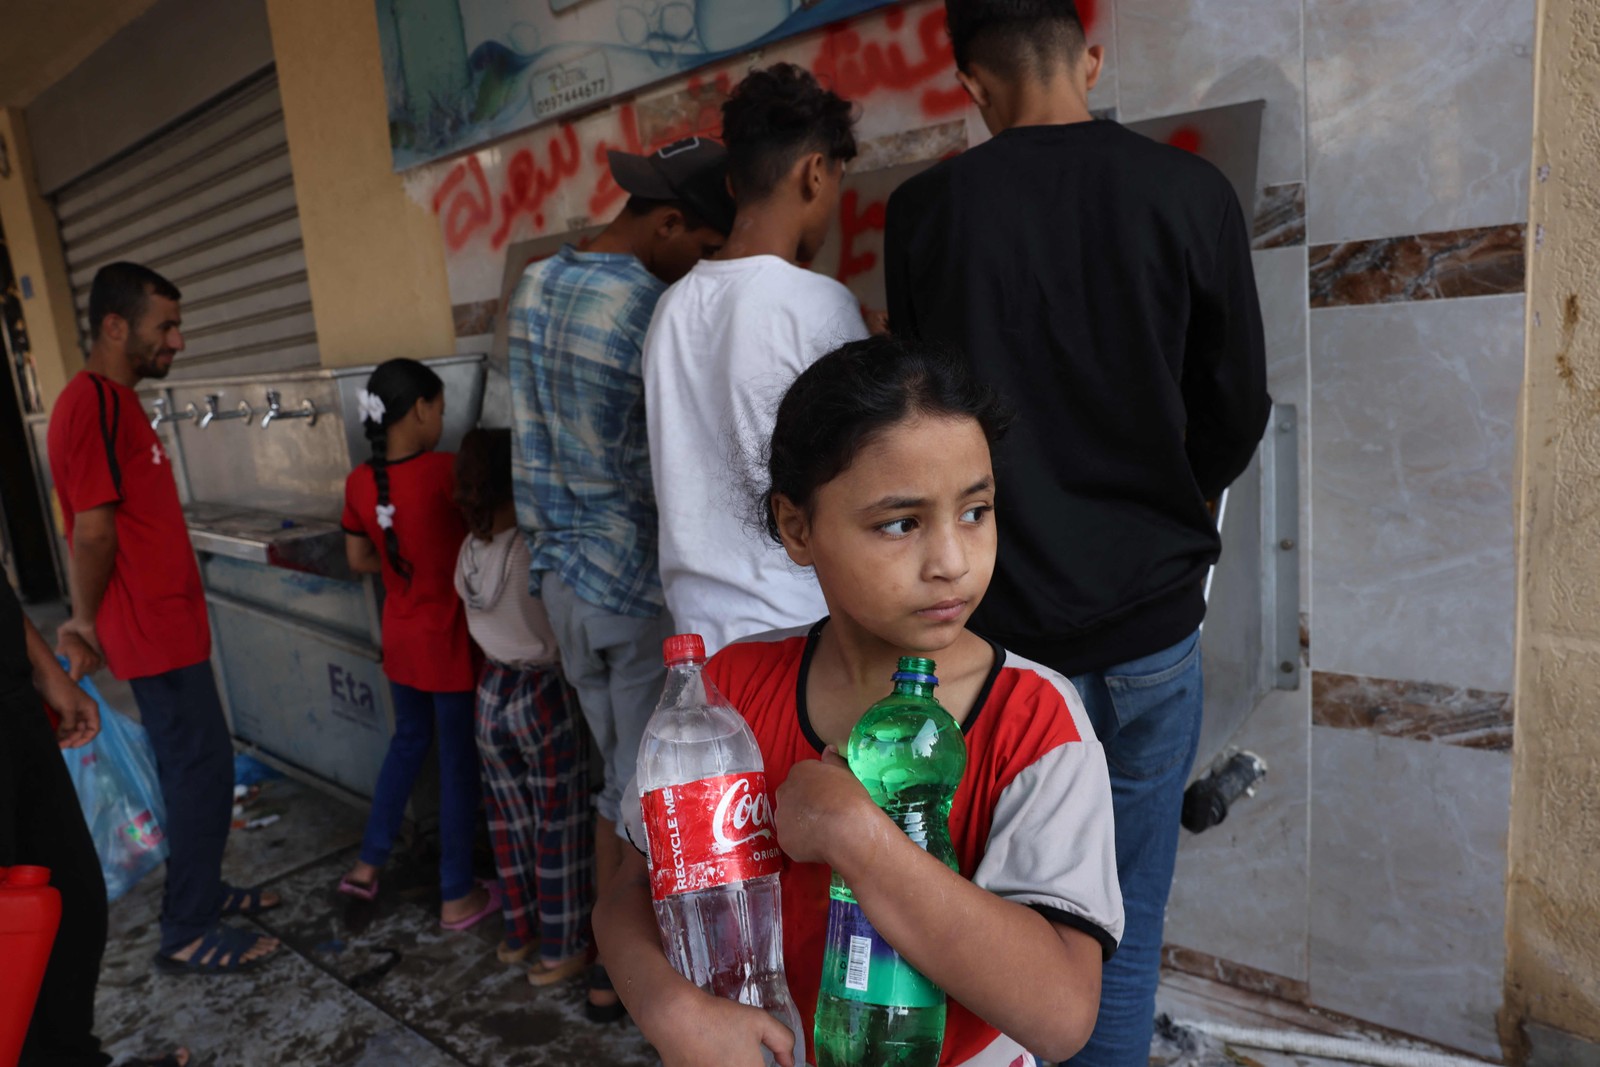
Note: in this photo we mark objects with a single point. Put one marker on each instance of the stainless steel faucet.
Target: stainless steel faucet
(161, 415)
(307, 410)
(214, 412)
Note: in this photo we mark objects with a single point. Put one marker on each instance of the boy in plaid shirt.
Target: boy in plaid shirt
(581, 465)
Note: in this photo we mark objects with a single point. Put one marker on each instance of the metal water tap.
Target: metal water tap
(161, 415)
(307, 410)
(214, 412)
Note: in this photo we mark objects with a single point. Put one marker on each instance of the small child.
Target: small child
(881, 482)
(530, 741)
(400, 521)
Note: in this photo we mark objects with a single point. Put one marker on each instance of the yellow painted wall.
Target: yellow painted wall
(35, 245)
(43, 40)
(375, 259)
(1553, 906)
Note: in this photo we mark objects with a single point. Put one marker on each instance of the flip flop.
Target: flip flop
(489, 908)
(543, 974)
(360, 890)
(244, 901)
(220, 941)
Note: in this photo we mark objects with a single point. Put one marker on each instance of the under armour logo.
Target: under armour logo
(156, 455)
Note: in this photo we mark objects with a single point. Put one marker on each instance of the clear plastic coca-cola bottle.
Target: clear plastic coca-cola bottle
(713, 850)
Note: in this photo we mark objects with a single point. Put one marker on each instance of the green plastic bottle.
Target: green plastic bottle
(874, 1008)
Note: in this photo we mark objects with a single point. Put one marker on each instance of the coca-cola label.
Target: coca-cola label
(710, 833)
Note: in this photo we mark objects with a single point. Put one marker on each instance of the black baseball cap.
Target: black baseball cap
(693, 172)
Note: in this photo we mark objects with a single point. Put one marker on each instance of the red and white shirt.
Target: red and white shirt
(103, 451)
(1031, 821)
(425, 640)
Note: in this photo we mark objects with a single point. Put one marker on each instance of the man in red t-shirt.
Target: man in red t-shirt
(138, 606)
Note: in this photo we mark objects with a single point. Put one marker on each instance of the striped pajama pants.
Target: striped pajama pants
(541, 819)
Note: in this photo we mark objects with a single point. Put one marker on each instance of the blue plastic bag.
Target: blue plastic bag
(115, 776)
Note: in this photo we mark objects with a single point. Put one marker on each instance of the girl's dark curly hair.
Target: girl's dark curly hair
(483, 479)
(776, 116)
(852, 394)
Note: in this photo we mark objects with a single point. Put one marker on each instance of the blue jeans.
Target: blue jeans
(416, 714)
(1147, 714)
(182, 713)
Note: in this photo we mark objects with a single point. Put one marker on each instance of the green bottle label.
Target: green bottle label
(858, 964)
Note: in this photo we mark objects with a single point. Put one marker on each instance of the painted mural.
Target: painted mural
(463, 72)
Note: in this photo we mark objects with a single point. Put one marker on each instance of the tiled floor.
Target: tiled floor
(357, 984)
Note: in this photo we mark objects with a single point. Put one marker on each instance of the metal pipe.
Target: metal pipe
(1333, 1048)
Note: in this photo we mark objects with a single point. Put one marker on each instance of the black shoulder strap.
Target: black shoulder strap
(109, 430)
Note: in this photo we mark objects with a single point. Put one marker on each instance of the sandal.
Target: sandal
(600, 982)
(244, 902)
(360, 890)
(490, 906)
(543, 974)
(221, 943)
(506, 954)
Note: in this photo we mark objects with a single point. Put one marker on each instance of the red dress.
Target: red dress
(425, 640)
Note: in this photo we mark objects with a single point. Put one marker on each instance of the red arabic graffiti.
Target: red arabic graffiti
(463, 208)
(912, 53)
(706, 121)
(466, 206)
(853, 224)
(856, 68)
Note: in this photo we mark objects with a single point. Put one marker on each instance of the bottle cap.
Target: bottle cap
(683, 648)
(26, 877)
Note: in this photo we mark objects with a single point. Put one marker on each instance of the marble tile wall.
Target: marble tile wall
(1413, 411)
(1182, 55)
(1421, 711)
(1241, 887)
(1486, 261)
(1408, 864)
(1281, 286)
(1369, 871)
(1418, 115)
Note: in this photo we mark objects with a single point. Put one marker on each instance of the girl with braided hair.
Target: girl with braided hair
(400, 521)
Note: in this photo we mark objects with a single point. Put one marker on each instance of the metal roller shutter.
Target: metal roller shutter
(210, 204)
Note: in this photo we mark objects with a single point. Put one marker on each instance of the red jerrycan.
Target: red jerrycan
(30, 911)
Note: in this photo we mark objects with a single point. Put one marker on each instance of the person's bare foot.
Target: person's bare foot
(363, 874)
(264, 946)
(178, 1057)
(453, 911)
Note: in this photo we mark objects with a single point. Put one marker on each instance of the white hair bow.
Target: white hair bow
(386, 516)
(372, 408)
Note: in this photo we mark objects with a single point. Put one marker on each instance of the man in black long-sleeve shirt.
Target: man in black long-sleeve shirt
(1103, 283)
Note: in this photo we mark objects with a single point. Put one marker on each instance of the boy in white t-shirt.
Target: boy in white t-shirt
(724, 345)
